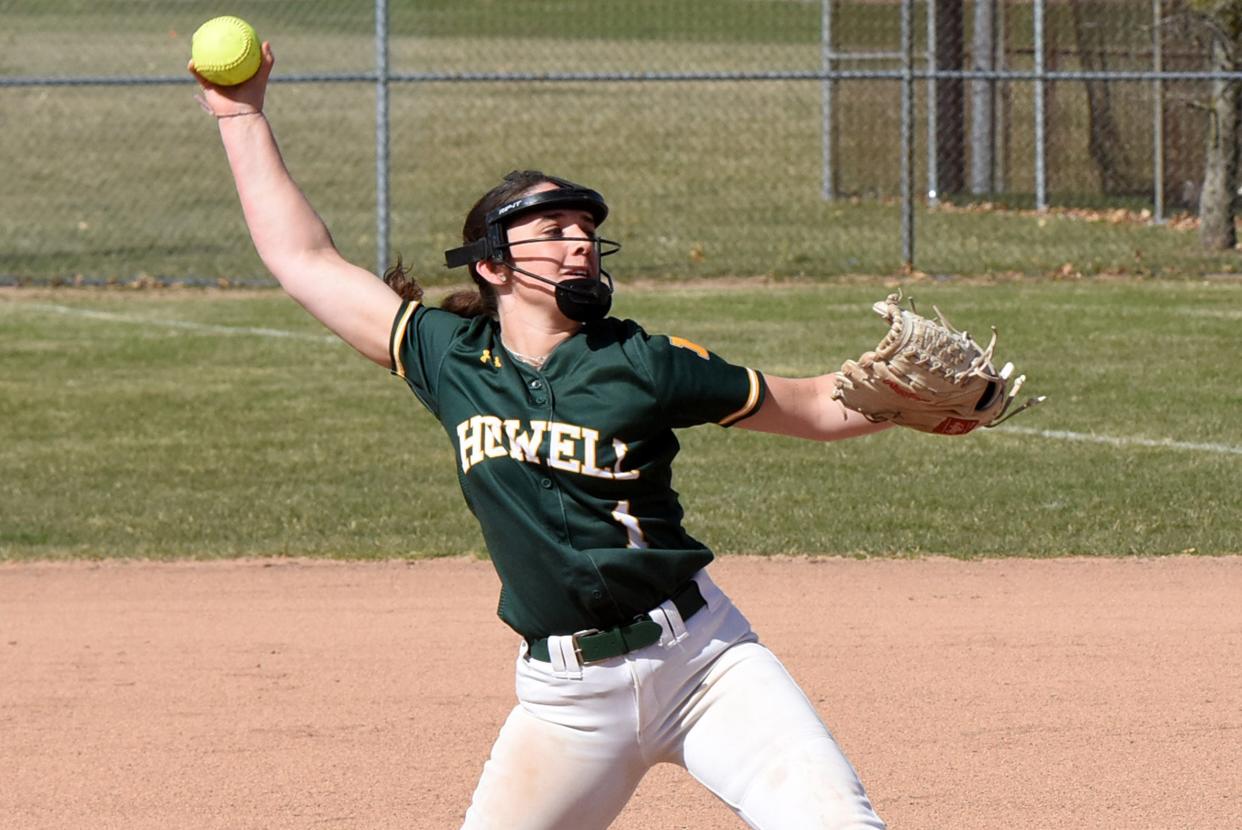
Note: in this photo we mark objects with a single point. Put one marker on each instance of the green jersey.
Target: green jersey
(568, 468)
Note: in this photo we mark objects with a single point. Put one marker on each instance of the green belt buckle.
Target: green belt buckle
(594, 646)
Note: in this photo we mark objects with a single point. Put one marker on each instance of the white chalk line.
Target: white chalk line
(1123, 441)
(209, 328)
(1132, 311)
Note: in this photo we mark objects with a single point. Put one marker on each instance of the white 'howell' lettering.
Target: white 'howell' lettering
(568, 447)
(524, 446)
(562, 446)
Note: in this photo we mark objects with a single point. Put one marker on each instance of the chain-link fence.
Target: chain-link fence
(732, 137)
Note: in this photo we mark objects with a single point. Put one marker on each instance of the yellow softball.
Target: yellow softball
(226, 50)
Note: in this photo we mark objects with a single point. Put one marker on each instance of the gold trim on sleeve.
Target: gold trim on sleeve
(751, 400)
(398, 334)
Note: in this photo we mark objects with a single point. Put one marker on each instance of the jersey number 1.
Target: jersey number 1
(633, 533)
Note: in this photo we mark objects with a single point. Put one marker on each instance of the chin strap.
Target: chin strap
(580, 287)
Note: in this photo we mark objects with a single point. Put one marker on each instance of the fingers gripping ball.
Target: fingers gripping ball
(928, 376)
(226, 51)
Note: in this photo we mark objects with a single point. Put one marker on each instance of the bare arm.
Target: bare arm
(288, 234)
(804, 408)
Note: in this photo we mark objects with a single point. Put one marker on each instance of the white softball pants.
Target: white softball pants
(708, 696)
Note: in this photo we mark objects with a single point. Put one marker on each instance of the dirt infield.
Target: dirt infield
(304, 694)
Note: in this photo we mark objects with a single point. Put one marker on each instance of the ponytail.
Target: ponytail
(467, 302)
(470, 303)
(399, 280)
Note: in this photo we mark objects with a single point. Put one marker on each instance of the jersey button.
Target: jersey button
(546, 483)
(539, 399)
(536, 384)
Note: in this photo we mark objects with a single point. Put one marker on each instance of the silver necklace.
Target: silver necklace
(529, 360)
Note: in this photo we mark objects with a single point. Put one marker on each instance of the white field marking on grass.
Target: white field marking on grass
(1126, 441)
(177, 324)
(1167, 311)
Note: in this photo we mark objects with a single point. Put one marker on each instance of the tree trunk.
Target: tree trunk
(1105, 144)
(1220, 165)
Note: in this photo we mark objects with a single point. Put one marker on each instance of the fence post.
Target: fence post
(1041, 172)
(828, 186)
(1157, 52)
(907, 134)
(1000, 102)
(982, 120)
(381, 136)
(933, 146)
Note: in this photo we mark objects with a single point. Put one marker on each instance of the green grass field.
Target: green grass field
(187, 423)
(167, 424)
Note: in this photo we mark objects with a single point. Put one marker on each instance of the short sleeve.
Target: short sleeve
(697, 386)
(421, 338)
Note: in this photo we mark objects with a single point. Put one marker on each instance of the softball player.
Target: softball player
(562, 420)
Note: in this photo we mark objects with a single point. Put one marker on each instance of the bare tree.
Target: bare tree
(1105, 142)
(1221, 23)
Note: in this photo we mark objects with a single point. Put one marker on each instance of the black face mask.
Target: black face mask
(581, 299)
(584, 299)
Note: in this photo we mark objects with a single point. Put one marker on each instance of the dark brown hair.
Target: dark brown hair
(398, 279)
(480, 300)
